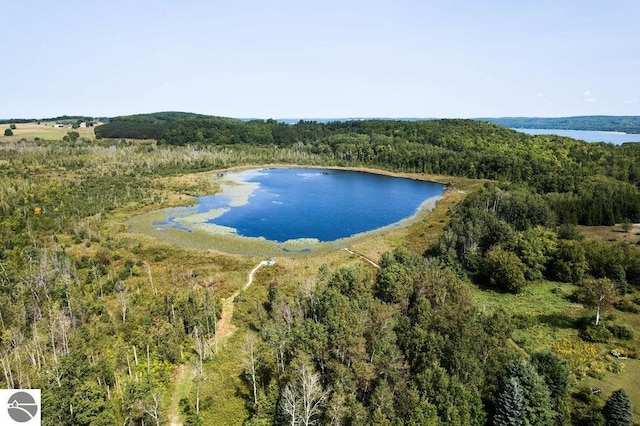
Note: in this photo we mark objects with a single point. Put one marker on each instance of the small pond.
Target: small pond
(302, 204)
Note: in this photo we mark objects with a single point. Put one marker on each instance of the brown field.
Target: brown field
(44, 130)
(612, 233)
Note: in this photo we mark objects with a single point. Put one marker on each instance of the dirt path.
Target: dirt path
(359, 255)
(183, 374)
(180, 379)
(224, 328)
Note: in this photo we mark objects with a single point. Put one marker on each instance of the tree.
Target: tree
(504, 270)
(569, 262)
(534, 247)
(598, 293)
(536, 395)
(556, 375)
(617, 410)
(303, 398)
(8, 132)
(12, 126)
(510, 405)
(72, 136)
(251, 362)
(555, 372)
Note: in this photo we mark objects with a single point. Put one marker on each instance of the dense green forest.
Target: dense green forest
(626, 124)
(118, 328)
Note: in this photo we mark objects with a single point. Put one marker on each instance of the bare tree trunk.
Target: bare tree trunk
(153, 287)
(251, 362)
(290, 405)
(122, 298)
(303, 398)
(313, 397)
(8, 374)
(154, 409)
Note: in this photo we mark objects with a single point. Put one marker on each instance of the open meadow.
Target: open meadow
(44, 130)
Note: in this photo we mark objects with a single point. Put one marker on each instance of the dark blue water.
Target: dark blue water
(324, 204)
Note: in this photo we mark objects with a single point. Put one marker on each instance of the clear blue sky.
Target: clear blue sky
(279, 59)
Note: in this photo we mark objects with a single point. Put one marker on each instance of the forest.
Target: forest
(501, 307)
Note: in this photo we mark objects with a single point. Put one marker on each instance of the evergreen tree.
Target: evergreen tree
(617, 410)
(537, 398)
(554, 371)
(510, 405)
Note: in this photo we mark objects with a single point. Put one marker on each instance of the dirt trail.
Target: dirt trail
(183, 375)
(359, 255)
(179, 379)
(224, 328)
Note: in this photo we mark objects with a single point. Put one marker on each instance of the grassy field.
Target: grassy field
(612, 233)
(44, 130)
(546, 320)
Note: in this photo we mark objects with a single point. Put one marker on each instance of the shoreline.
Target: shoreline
(187, 228)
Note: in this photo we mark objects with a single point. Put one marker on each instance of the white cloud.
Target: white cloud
(587, 96)
(631, 101)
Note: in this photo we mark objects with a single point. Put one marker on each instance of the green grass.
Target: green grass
(545, 320)
(628, 379)
(538, 299)
(225, 387)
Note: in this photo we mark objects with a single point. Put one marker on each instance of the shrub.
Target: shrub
(621, 331)
(8, 132)
(625, 305)
(596, 334)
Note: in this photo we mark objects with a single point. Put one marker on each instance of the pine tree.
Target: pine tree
(537, 398)
(617, 410)
(510, 405)
(554, 371)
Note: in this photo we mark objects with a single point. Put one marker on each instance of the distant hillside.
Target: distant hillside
(59, 119)
(163, 125)
(626, 124)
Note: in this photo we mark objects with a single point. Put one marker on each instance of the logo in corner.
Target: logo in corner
(22, 407)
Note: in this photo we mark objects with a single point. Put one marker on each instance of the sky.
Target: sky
(320, 59)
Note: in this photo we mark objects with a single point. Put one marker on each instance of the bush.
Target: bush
(625, 305)
(621, 331)
(596, 334)
(8, 132)
(12, 126)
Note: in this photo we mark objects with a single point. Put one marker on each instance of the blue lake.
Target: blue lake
(617, 138)
(284, 204)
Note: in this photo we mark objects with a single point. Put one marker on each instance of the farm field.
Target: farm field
(45, 131)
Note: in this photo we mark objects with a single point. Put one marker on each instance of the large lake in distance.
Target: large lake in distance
(283, 204)
(617, 138)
